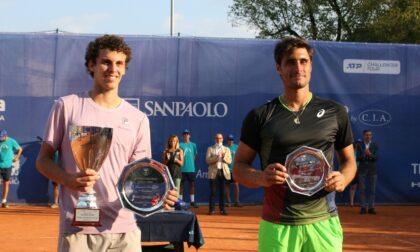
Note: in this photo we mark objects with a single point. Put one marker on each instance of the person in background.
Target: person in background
(188, 169)
(218, 158)
(106, 61)
(173, 157)
(296, 118)
(232, 147)
(367, 155)
(10, 152)
(354, 183)
(55, 186)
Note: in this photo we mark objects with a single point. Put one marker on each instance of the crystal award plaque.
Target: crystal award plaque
(307, 169)
(143, 186)
(90, 147)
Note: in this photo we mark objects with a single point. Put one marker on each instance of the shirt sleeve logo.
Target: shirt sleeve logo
(320, 113)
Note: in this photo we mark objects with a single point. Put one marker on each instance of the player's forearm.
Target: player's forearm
(348, 169)
(247, 175)
(47, 167)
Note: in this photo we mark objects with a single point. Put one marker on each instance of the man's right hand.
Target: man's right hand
(274, 174)
(82, 181)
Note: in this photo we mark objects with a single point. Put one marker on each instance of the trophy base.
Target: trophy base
(87, 217)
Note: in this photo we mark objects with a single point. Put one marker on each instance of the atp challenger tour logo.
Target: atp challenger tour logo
(363, 66)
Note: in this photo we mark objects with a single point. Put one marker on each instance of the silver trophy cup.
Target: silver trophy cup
(90, 147)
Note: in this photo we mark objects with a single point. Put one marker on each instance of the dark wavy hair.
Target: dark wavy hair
(111, 42)
(288, 45)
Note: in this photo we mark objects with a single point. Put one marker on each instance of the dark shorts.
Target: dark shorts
(54, 183)
(5, 173)
(190, 176)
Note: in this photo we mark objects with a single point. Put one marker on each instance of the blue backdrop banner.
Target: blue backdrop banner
(207, 86)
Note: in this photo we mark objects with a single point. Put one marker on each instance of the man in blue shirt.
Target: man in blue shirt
(188, 169)
(8, 148)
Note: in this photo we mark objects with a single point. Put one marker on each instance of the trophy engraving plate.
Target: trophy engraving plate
(90, 146)
(90, 217)
(307, 169)
(143, 186)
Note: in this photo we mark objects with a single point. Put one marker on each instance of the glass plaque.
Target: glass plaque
(307, 169)
(143, 186)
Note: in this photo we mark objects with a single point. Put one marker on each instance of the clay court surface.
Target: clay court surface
(395, 228)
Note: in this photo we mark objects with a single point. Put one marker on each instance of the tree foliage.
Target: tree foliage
(400, 23)
(339, 20)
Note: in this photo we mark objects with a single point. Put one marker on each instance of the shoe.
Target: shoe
(363, 210)
(227, 204)
(223, 213)
(4, 205)
(192, 204)
(211, 212)
(371, 211)
(54, 205)
(237, 204)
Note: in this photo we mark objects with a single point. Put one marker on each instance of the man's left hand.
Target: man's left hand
(171, 199)
(335, 182)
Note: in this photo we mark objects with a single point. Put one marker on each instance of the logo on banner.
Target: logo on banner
(375, 117)
(2, 105)
(2, 109)
(188, 109)
(179, 109)
(371, 66)
(416, 171)
(201, 174)
(133, 101)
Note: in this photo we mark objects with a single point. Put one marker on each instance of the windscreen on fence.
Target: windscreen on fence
(208, 85)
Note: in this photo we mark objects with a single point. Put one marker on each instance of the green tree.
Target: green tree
(400, 23)
(339, 20)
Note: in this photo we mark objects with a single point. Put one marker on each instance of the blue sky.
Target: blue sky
(202, 18)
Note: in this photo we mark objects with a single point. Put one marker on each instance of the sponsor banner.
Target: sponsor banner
(208, 86)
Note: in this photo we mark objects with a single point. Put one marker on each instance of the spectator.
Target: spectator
(367, 155)
(55, 186)
(188, 169)
(291, 221)
(232, 147)
(173, 157)
(106, 61)
(354, 183)
(10, 152)
(218, 158)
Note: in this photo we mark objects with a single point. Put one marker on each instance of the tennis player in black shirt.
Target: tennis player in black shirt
(292, 221)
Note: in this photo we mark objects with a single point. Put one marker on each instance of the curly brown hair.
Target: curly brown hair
(111, 42)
